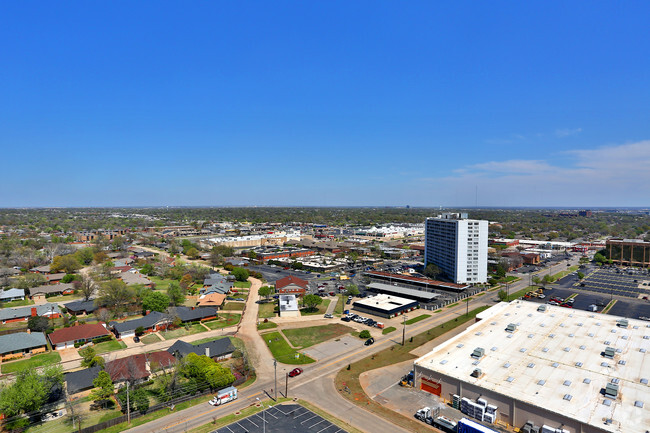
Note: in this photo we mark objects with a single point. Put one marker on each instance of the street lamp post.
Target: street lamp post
(275, 365)
(404, 317)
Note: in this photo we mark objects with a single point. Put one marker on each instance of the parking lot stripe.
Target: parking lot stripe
(308, 419)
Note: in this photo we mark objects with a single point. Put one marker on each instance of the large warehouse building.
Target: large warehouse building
(558, 368)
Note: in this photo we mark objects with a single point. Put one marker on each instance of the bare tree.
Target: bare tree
(103, 314)
(87, 287)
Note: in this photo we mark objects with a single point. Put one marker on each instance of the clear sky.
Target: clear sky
(325, 103)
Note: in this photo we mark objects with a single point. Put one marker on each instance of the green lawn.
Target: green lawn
(242, 284)
(267, 310)
(64, 425)
(267, 325)
(417, 319)
(224, 320)
(388, 330)
(180, 332)
(322, 308)
(236, 306)
(340, 304)
(150, 339)
(63, 298)
(520, 293)
(305, 337)
(41, 360)
(109, 346)
(282, 351)
(19, 303)
(452, 305)
(161, 283)
(566, 272)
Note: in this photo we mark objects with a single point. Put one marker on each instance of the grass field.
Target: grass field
(340, 305)
(566, 272)
(282, 351)
(180, 332)
(392, 355)
(242, 284)
(417, 319)
(305, 337)
(388, 330)
(267, 310)
(109, 346)
(150, 339)
(224, 320)
(18, 303)
(161, 283)
(234, 306)
(64, 425)
(41, 360)
(267, 325)
(322, 308)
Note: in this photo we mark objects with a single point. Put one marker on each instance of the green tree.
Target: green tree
(580, 275)
(536, 280)
(364, 334)
(30, 390)
(155, 301)
(38, 324)
(68, 263)
(205, 370)
(352, 290)
(502, 295)
(193, 253)
(297, 265)
(548, 279)
(28, 281)
(103, 387)
(600, 258)
(432, 271)
(85, 256)
(176, 294)
(87, 354)
(311, 301)
(240, 274)
(115, 294)
(265, 291)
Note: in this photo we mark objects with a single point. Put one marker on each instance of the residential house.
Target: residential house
(217, 349)
(214, 300)
(131, 368)
(291, 285)
(66, 337)
(12, 295)
(55, 278)
(288, 306)
(216, 283)
(8, 315)
(9, 272)
(187, 314)
(131, 278)
(81, 307)
(18, 344)
(152, 322)
(122, 262)
(82, 380)
(45, 269)
(41, 292)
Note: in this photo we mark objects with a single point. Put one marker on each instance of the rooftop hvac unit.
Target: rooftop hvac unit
(611, 390)
(512, 327)
(482, 402)
(491, 408)
(609, 352)
(476, 373)
(622, 323)
(478, 353)
(489, 417)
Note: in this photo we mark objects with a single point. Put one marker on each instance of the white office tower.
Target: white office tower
(458, 246)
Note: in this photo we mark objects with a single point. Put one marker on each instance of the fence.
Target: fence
(13, 331)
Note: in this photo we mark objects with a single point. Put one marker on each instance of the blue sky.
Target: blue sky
(325, 103)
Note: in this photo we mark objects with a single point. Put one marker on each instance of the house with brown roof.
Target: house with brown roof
(214, 300)
(291, 285)
(66, 337)
(55, 278)
(41, 292)
(136, 368)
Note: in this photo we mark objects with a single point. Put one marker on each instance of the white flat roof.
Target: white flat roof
(561, 347)
(288, 303)
(383, 301)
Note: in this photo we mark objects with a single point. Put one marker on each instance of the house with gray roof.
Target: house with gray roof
(152, 322)
(51, 289)
(8, 315)
(12, 295)
(77, 381)
(217, 349)
(130, 278)
(187, 314)
(216, 283)
(21, 342)
(81, 307)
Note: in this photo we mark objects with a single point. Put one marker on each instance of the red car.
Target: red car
(295, 372)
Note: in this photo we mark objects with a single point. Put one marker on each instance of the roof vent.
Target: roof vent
(587, 381)
(638, 403)
(644, 381)
(541, 382)
(567, 397)
(476, 373)
(567, 383)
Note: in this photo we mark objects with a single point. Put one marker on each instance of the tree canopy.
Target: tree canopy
(240, 274)
(155, 301)
(312, 301)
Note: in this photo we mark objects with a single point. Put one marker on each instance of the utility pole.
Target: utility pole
(275, 365)
(286, 385)
(128, 406)
(403, 329)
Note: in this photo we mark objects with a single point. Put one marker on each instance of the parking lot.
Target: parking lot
(613, 283)
(281, 419)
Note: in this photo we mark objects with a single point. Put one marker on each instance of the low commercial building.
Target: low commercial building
(291, 285)
(629, 252)
(387, 306)
(288, 306)
(416, 281)
(414, 294)
(557, 368)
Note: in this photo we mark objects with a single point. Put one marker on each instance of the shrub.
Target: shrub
(364, 334)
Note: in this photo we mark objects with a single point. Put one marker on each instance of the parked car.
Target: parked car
(295, 372)
(369, 341)
(329, 316)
